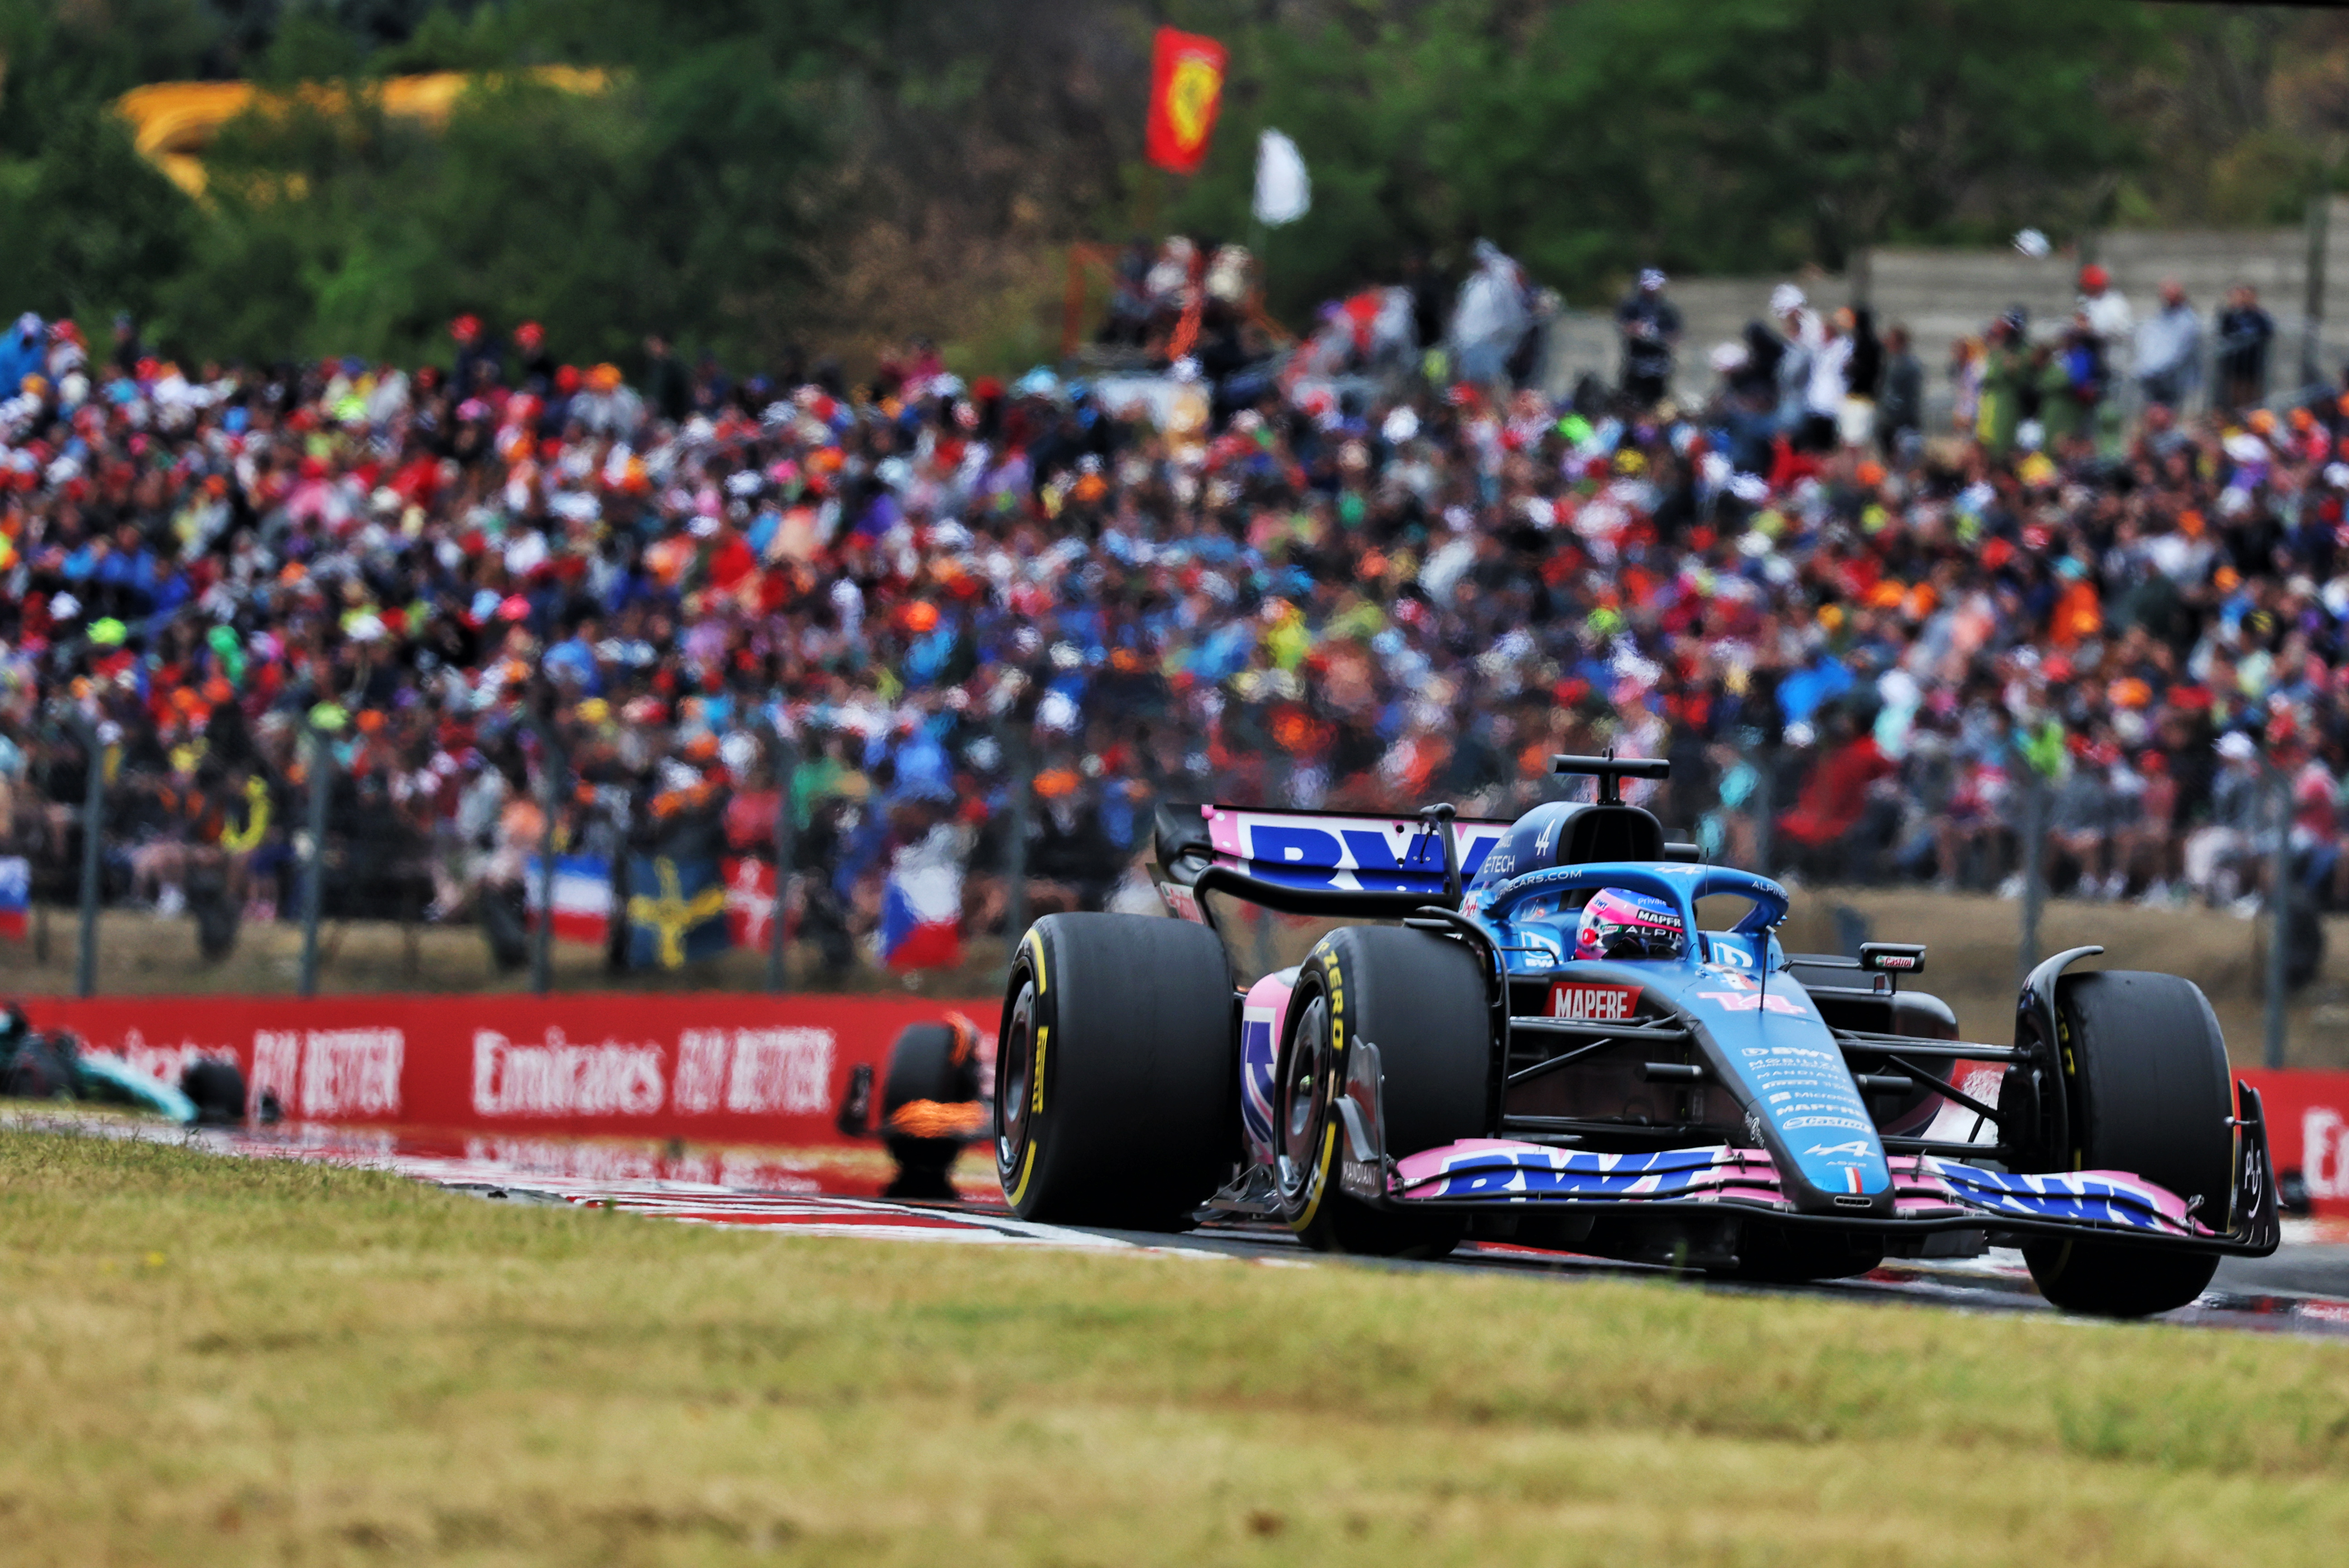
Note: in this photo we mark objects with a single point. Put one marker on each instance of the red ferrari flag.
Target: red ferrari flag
(1187, 89)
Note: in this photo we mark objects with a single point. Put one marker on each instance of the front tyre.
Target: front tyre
(2143, 1069)
(1420, 1000)
(1117, 1072)
(930, 1105)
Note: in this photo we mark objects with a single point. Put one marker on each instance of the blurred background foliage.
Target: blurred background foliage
(764, 176)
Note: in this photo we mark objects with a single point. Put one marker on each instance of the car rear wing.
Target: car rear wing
(1319, 862)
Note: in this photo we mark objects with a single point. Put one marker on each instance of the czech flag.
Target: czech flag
(15, 894)
(676, 911)
(582, 897)
(921, 908)
(1186, 90)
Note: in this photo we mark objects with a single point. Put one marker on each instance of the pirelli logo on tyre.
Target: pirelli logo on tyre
(1593, 1003)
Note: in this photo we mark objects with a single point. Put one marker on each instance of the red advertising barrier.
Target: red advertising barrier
(714, 1066)
(2308, 1131)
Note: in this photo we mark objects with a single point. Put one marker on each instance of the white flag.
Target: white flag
(1284, 193)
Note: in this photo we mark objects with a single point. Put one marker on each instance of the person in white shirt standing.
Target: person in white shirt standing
(1804, 334)
(2170, 349)
(1829, 384)
(2109, 318)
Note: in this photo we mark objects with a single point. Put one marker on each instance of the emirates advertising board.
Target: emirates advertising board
(708, 1066)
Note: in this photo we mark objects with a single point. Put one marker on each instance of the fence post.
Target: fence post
(2035, 861)
(2278, 912)
(1765, 787)
(779, 979)
(2312, 332)
(553, 765)
(1015, 843)
(93, 820)
(314, 870)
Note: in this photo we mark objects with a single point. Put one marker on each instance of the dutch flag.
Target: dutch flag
(582, 897)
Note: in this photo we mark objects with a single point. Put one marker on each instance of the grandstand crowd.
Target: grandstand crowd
(1367, 572)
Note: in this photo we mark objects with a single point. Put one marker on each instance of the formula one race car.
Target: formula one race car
(1543, 1046)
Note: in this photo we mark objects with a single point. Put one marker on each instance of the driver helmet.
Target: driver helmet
(1621, 924)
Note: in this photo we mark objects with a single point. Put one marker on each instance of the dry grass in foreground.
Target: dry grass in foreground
(207, 1361)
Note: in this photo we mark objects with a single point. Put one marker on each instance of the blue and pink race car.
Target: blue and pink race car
(1524, 1032)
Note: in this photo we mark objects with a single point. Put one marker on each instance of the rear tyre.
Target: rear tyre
(930, 1106)
(1420, 1000)
(38, 1071)
(216, 1089)
(1117, 1072)
(2144, 1074)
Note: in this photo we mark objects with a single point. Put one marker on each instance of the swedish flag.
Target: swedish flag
(676, 911)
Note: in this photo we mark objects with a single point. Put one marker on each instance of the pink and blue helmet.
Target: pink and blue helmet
(1618, 924)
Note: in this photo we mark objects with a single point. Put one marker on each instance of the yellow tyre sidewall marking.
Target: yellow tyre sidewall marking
(1027, 1170)
(1033, 943)
(2070, 1066)
(1319, 1183)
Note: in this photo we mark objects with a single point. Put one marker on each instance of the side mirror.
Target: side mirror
(1892, 958)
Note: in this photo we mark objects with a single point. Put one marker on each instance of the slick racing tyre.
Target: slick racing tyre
(2144, 1074)
(1117, 1072)
(930, 1105)
(216, 1089)
(1420, 1000)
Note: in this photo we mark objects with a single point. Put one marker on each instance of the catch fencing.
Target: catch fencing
(322, 866)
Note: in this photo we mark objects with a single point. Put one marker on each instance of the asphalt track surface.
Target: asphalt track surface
(2303, 1289)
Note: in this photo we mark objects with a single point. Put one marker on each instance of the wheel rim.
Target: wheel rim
(1301, 1109)
(2033, 1093)
(1014, 1069)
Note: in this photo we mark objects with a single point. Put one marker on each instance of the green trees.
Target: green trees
(1705, 135)
(758, 172)
(86, 225)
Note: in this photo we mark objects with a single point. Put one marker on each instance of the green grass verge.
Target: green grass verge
(204, 1361)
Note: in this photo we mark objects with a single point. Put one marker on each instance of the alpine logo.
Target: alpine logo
(1856, 1149)
(1593, 1003)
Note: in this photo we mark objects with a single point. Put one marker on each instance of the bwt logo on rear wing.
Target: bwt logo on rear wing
(1348, 854)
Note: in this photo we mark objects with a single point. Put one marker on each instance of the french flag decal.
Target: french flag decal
(1851, 1178)
(582, 897)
